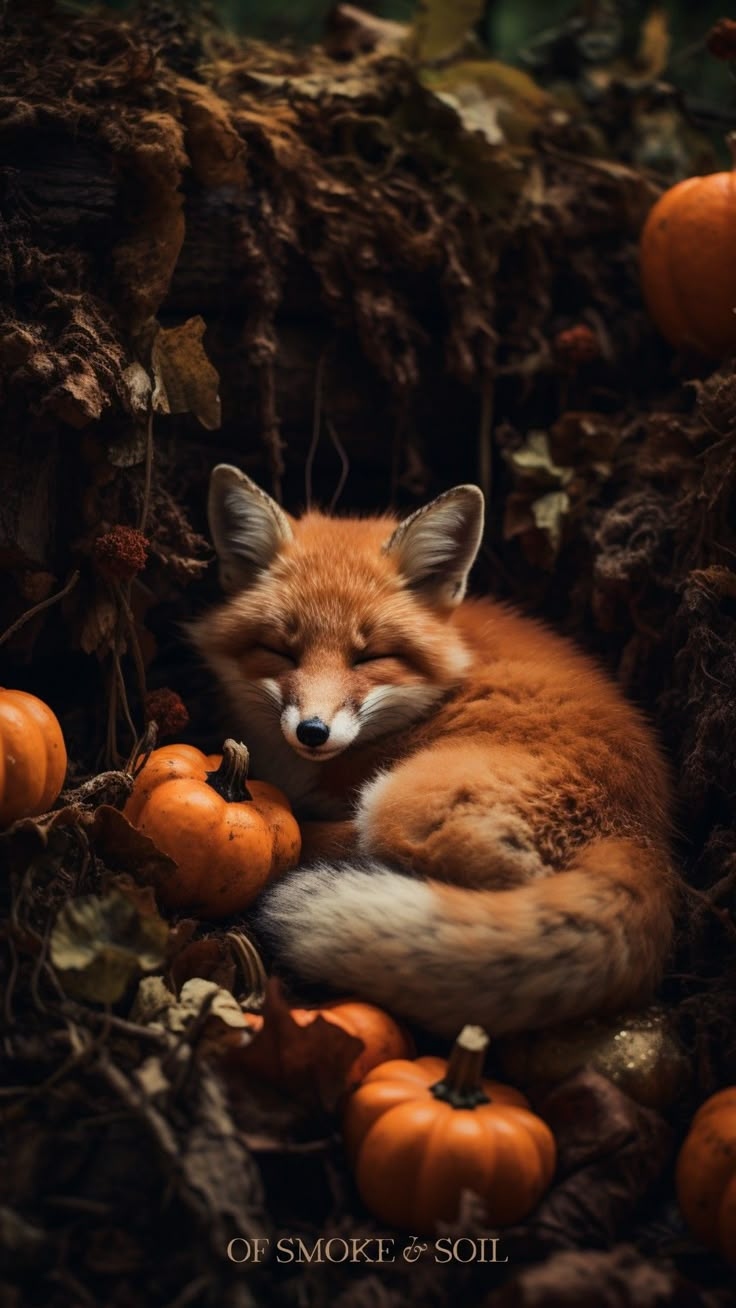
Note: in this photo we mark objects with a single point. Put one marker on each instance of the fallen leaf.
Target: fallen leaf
(610, 1152)
(124, 848)
(99, 944)
(209, 958)
(616, 1278)
(533, 461)
(549, 512)
(309, 1063)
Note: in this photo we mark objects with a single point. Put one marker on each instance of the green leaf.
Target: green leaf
(441, 26)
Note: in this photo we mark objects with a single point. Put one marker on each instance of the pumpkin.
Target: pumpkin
(688, 271)
(228, 838)
(32, 756)
(382, 1037)
(419, 1133)
(706, 1174)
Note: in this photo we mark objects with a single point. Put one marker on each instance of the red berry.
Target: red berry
(121, 553)
(166, 709)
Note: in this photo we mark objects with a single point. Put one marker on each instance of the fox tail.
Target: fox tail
(591, 938)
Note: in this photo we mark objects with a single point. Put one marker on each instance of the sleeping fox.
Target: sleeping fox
(485, 818)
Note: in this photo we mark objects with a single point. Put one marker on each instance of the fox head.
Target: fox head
(336, 630)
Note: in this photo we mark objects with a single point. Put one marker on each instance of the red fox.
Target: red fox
(486, 819)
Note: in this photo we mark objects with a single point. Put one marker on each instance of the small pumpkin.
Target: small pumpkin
(706, 1174)
(32, 756)
(688, 272)
(383, 1039)
(419, 1133)
(229, 836)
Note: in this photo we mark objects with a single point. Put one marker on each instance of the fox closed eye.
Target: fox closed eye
(277, 653)
(373, 658)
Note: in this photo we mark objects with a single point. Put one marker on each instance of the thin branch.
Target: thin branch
(345, 461)
(39, 608)
(122, 595)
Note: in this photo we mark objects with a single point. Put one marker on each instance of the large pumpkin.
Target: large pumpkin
(688, 270)
(228, 838)
(419, 1133)
(706, 1174)
(32, 756)
(383, 1038)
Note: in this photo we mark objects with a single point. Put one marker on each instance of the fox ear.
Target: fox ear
(248, 527)
(436, 547)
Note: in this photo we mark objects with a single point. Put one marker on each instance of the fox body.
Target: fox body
(486, 818)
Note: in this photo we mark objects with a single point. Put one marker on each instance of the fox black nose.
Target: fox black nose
(312, 732)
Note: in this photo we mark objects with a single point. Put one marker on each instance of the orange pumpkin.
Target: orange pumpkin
(32, 756)
(228, 838)
(382, 1037)
(706, 1174)
(688, 271)
(419, 1133)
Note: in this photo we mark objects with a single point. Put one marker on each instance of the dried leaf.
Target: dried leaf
(99, 944)
(210, 958)
(610, 1152)
(616, 1278)
(185, 380)
(501, 103)
(194, 994)
(126, 849)
(310, 1063)
(533, 461)
(98, 624)
(549, 512)
(152, 1000)
(654, 44)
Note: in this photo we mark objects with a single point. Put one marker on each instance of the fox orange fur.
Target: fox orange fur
(487, 817)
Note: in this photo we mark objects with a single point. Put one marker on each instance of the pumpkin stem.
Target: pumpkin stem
(230, 778)
(462, 1085)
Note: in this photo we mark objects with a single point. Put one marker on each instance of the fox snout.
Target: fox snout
(317, 732)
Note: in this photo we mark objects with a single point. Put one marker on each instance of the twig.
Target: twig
(122, 595)
(39, 608)
(10, 984)
(123, 693)
(343, 459)
(316, 428)
(142, 750)
(111, 749)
